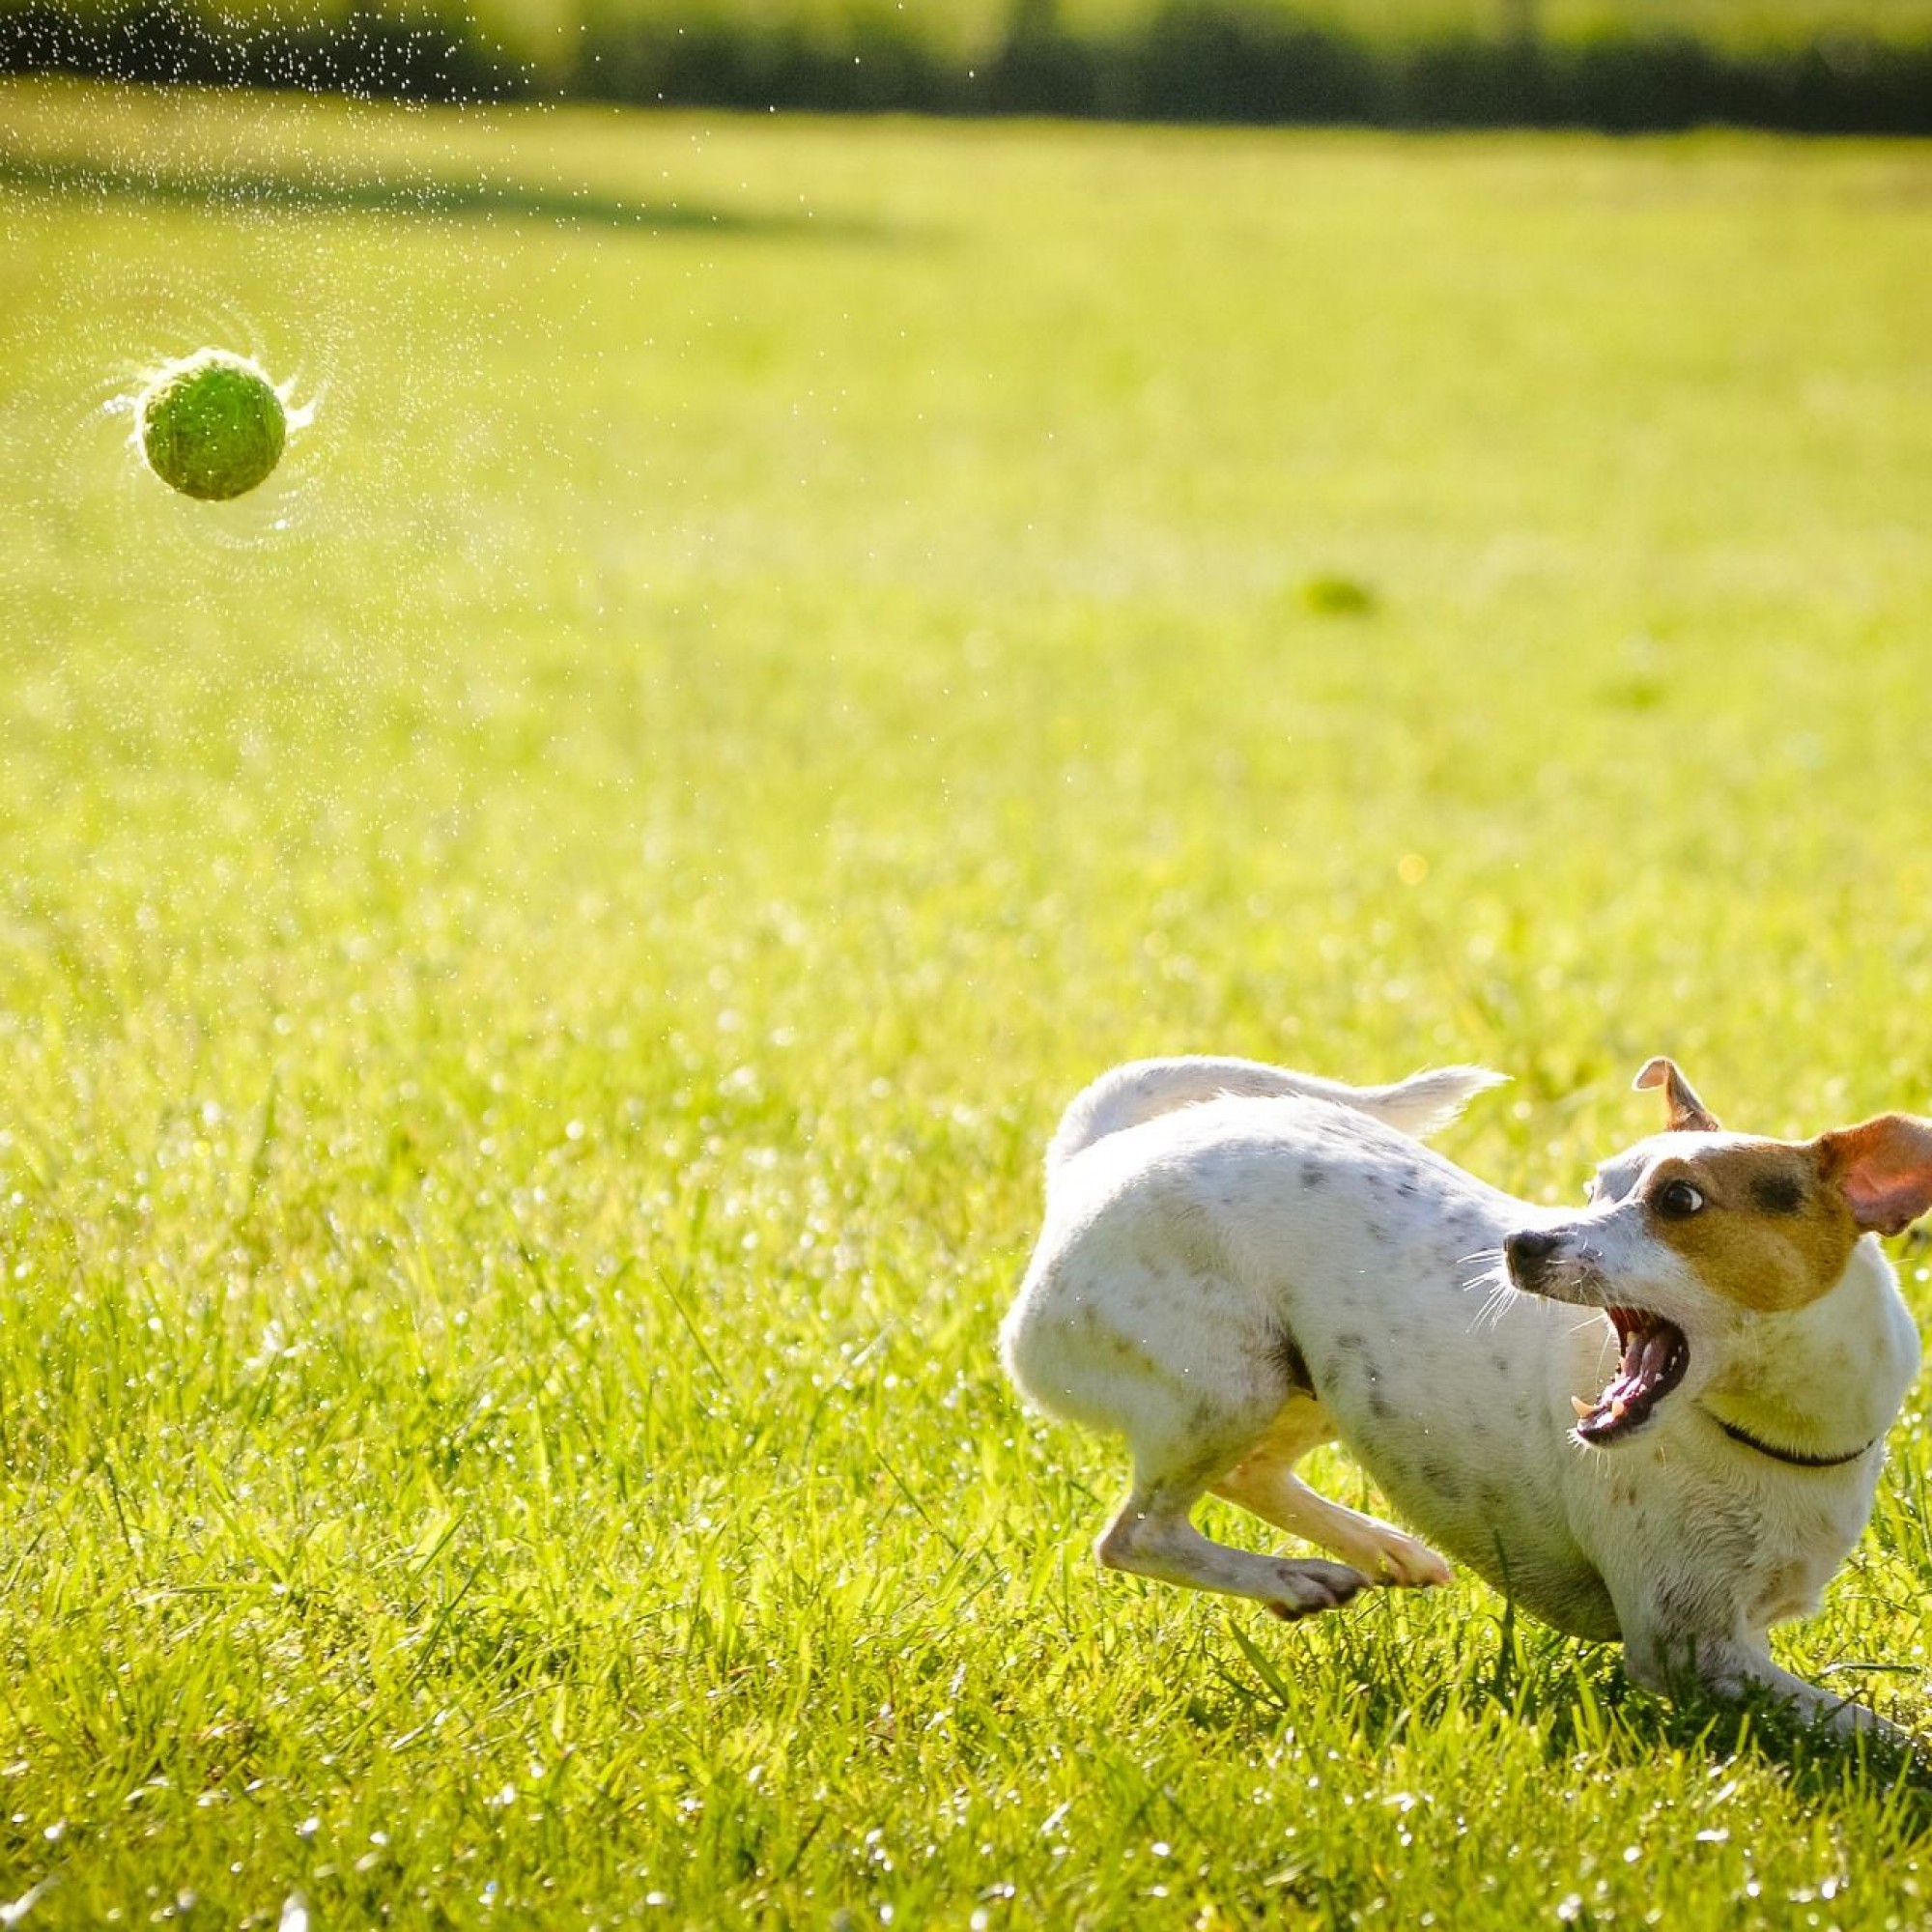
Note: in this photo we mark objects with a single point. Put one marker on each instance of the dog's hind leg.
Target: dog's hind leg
(1154, 1534)
(1153, 1537)
(1265, 1483)
(1190, 1409)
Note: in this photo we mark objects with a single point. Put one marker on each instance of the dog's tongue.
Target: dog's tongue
(1646, 1356)
(1653, 1362)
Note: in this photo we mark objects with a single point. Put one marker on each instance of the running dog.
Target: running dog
(1659, 1420)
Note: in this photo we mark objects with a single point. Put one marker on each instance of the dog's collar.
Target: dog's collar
(1795, 1459)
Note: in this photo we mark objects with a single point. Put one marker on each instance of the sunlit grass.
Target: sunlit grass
(533, 992)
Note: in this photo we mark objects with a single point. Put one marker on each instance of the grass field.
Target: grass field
(540, 954)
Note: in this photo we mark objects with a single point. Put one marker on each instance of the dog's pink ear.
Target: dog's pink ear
(1687, 1113)
(1884, 1169)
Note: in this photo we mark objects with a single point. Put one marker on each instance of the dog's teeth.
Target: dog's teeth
(1619, 1408)
(1582, 1407)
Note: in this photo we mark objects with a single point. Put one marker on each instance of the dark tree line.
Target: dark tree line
(1196, 60)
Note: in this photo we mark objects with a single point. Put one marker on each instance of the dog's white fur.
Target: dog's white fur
(1240, 1262)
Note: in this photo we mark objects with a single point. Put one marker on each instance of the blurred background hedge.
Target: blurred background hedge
(1619, 64)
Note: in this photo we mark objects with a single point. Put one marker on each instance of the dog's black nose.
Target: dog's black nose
(1526, 1250)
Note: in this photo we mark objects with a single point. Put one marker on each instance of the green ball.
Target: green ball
(212, 425)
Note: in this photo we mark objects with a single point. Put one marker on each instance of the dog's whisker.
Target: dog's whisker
(1489, 1282)
(1502, 1290)
(1495, 1305)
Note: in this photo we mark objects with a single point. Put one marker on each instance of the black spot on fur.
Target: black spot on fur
(1380, 1406)
(1443, 1480)
(1311, 1176)
(1778, 1194)
(1286, 1353)
(1351, 1342)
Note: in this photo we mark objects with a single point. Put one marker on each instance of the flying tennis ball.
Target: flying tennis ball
(212, 425)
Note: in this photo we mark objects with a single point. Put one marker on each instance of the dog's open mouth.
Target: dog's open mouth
(1654, 1356)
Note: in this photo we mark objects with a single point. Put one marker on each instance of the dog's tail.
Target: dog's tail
(1145, 1089)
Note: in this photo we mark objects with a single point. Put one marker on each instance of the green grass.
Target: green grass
(540, 952)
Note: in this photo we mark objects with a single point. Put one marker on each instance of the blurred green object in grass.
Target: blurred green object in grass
(1330, 596)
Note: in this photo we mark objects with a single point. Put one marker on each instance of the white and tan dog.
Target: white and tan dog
(1240, 1262)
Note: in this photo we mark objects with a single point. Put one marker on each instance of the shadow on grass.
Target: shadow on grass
(423, 197)
(1820, 1764)
(1575, 1695)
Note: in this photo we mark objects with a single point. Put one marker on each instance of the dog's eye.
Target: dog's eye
(1679, 1201)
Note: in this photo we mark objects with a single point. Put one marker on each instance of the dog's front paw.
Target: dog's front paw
(1382, 1553)
(1401, 1559)
(1311, 1585)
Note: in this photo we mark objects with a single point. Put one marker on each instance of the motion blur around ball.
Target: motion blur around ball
(212, 425)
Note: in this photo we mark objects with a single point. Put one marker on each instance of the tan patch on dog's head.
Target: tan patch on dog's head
(1771, 1225)
(1756, 1221)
